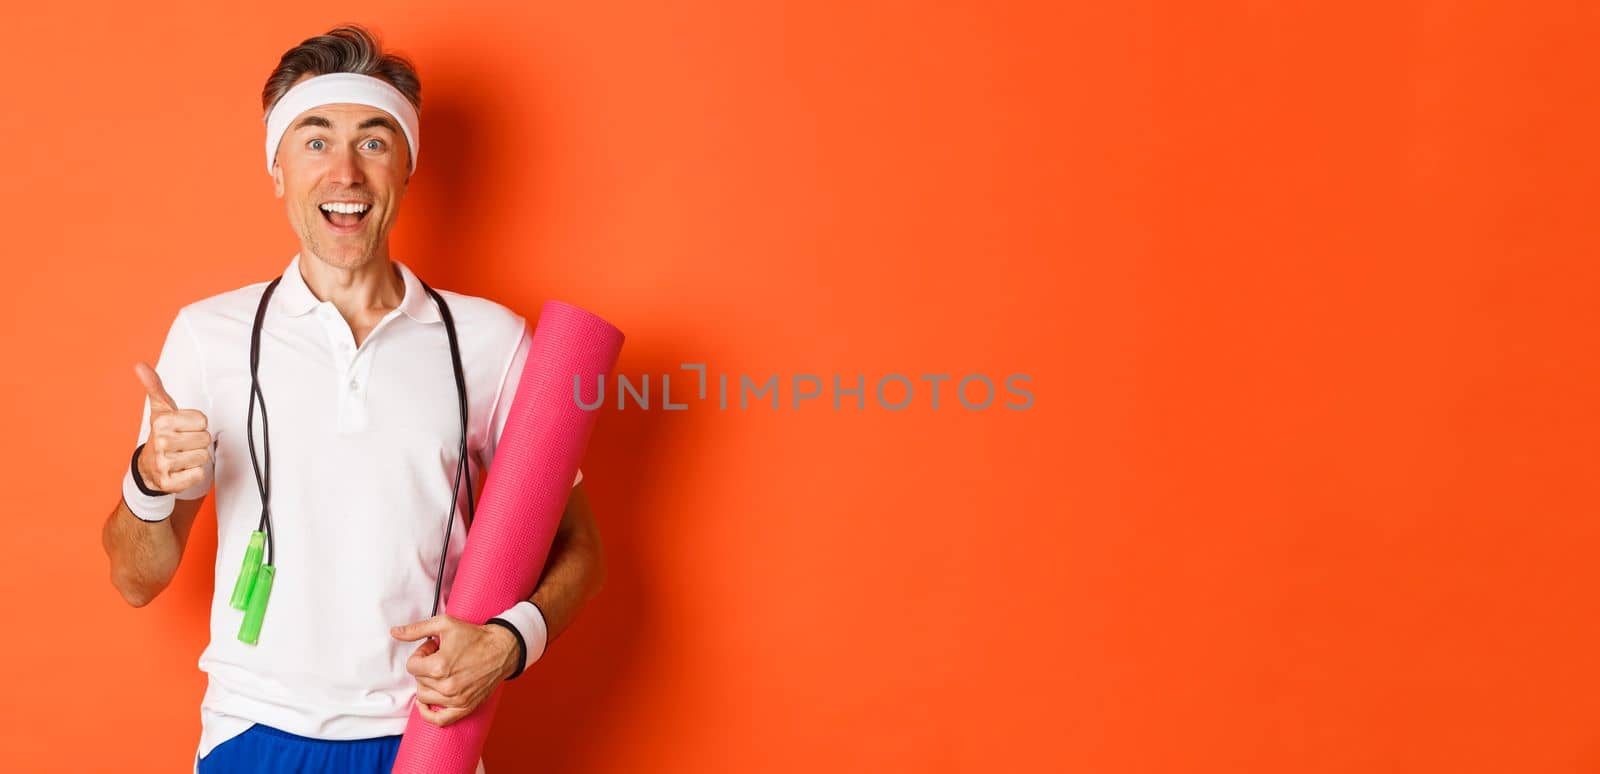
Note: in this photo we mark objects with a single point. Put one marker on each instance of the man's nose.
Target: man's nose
(345, 167)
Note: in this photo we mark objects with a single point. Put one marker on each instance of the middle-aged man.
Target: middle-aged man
(354, 475)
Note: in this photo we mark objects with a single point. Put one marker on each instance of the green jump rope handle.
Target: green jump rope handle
(247, 573)
(260, 591)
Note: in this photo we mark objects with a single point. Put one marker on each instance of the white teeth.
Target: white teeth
(345, 207)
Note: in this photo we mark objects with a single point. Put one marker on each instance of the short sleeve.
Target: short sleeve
(508, 390)
(182, 373)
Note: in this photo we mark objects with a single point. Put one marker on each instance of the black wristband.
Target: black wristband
(138, 480)
(522, 647)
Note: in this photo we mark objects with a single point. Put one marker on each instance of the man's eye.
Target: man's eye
(375, 144)
(315, 144)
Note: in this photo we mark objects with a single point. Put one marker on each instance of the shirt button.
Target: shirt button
(354, 384)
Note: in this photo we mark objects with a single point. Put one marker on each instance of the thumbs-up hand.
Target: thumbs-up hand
(179, 445)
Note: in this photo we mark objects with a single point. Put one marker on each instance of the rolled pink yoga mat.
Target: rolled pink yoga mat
(523, 498)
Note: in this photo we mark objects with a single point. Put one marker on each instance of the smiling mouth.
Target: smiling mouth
(344, 216)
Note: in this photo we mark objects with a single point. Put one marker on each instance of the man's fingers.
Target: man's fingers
(159, 399)
(419, 629)
(431, 695)
(180, 421)
(183, 480)
(180, 461)
(448, 691)
(439, 717)
(173, 469)
(185, 440)
(426, 665)
(429, 714)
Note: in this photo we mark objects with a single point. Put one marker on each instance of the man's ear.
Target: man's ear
(277, 181)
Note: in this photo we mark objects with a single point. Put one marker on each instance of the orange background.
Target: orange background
(1307, 293)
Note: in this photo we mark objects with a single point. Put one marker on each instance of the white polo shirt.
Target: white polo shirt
(364, 453)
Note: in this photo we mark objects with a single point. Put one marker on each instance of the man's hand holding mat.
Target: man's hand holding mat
(523, 497)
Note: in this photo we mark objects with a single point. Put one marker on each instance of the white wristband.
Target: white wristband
(530, 623)
(143, 506)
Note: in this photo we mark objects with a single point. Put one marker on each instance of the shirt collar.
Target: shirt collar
(294, 298)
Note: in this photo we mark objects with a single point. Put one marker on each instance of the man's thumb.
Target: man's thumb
(152, 385)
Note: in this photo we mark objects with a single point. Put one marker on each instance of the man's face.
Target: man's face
(342, 154)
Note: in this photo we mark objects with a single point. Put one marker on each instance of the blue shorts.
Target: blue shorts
(266, 749)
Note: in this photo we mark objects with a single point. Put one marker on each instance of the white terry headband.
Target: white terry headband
(334, 88)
